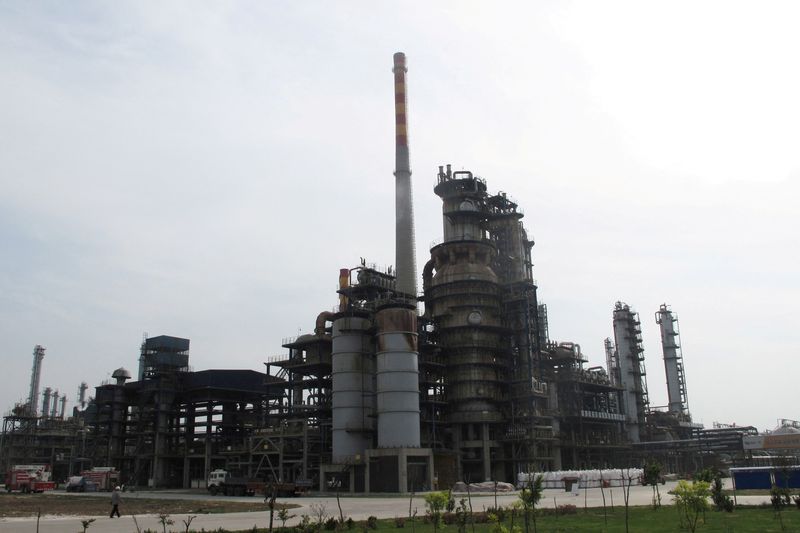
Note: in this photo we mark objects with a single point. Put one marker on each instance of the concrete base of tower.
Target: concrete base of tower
(342, 477)
(399, 470)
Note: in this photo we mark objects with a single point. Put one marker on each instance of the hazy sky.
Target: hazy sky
(203, 169)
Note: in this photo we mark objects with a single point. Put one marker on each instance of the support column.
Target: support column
(487, 456)
(402, 471)
(430, 471)
(209, 420)
(187, 480)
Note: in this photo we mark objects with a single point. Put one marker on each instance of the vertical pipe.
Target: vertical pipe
(405, 257)
(63, 406)
(344, 282)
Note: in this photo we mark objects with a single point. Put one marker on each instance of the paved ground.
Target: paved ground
(359, 508)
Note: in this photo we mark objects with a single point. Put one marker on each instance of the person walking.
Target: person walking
(115, 500)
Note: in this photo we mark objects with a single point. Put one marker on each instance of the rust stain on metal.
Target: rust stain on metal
(401, 322)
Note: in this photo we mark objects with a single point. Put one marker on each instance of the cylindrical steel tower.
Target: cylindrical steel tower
(463, 301)
(63, 407)
(397, 378)
(54, 404)
(405, 257)
(46, 403)
(36, 374)
(353, 396)
(673, 360)
(630, 358)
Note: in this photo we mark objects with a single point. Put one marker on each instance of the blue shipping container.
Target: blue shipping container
(753, 479)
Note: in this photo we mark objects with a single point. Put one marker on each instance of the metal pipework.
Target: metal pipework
(405, 257)
(63, 406)
(36, 374)
(397, 378)
(344, 282)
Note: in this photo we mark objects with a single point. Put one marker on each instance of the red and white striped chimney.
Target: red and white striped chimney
(405, 258)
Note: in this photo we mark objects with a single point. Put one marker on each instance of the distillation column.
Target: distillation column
(673, 360)
(48, 392)
(630, 358)
(54, 404)
(36, 374)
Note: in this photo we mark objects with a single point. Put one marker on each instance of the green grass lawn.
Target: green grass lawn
(641, 520)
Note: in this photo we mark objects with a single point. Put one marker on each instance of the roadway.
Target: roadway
(357, 507)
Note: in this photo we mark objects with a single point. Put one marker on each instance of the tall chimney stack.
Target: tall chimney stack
(405, 258)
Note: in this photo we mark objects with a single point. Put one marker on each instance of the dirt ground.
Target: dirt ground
(18, 505)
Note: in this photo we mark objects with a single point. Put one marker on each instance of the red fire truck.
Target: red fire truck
(29, 478)
(105, 477)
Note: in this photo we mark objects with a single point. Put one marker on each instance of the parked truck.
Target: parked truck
(29, 478)
(105, 477)
(223, 482)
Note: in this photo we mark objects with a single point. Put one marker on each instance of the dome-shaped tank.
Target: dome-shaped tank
(121, 374)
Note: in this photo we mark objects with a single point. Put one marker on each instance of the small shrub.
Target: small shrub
(330, 524)
(566, 509)
(399, 522)
(436, 503)
(305, 525)
(692, 501)
(372, 522)
(498, 511)
(722, 502)
(350, 523)
(706, 474)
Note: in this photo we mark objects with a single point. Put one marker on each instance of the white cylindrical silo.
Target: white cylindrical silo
(353, 375)
(397, 374)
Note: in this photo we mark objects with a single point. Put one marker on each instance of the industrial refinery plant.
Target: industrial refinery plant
(399, 388)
